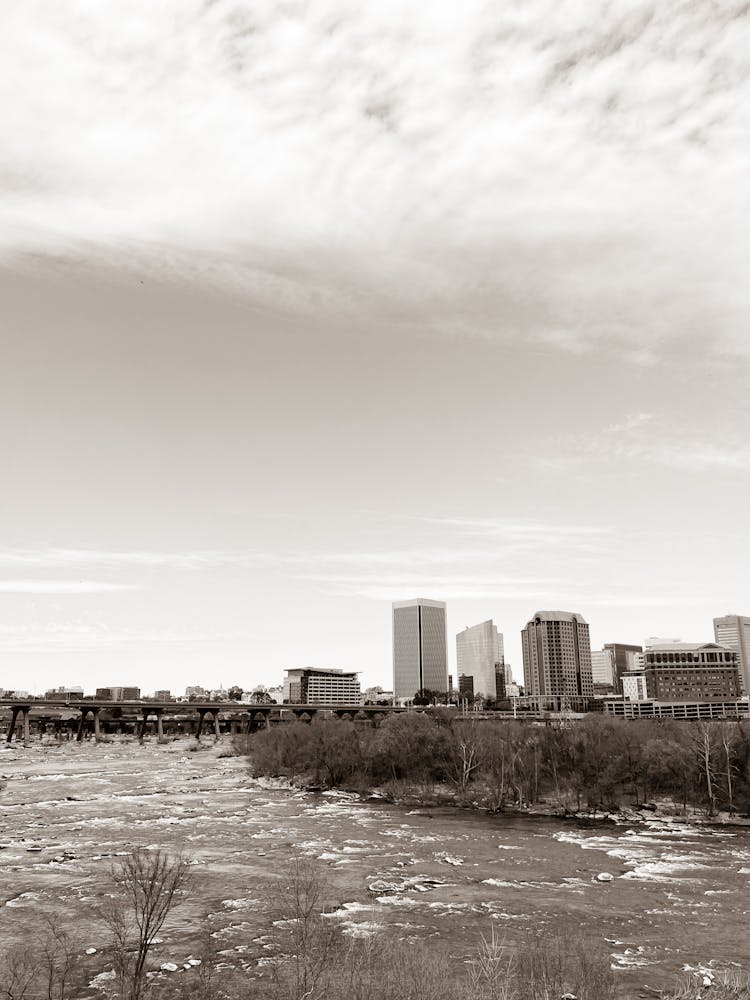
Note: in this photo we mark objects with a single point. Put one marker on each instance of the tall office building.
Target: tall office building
(603, 667)
(420, 657)
(557, 656)
(624, 657)
(479, 652)
(733, 631)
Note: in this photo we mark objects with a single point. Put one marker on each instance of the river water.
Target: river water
(678, 895)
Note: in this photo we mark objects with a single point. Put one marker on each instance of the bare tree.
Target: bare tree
(148, 884)
(49, 967)
(18, 973)
(703, 743)
(727, 736)
(464, 758)
(58, 961)
(305, 938)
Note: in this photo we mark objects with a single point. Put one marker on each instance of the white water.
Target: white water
(678, 895)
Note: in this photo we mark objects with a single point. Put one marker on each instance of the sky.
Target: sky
(308, 307)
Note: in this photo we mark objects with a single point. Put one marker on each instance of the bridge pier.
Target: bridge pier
(203, 711)
(23, 711)
(201, 717)
(254, 723)
(309, 712)
(143, 724)
(85, 709)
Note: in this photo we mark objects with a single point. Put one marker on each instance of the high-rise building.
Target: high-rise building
(557, 656)
(603, 667)
(420, 657)
(479, 652)
(733, 631)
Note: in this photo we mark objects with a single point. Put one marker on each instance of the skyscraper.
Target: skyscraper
(733, 631)
(603, 667)
(557, 656)
(419, 647)
(479, 650)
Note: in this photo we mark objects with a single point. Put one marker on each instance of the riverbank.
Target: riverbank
(442, 796)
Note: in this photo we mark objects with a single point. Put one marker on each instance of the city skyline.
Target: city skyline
(306, 310)
(386, 673)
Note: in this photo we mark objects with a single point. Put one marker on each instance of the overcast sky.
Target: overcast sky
(306, 307)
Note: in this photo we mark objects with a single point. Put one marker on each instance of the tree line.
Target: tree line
(597, 763)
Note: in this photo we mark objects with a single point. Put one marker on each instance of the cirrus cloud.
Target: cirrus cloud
(561, 173)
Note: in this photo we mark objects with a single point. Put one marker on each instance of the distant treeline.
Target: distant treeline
(596, 763)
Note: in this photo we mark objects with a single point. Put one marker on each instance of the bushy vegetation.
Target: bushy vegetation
(596, 763)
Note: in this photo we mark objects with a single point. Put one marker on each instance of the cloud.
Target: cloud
(527, 533)
(566, 174)
(644, 438)
(63, 587)
(61, 556)
(70, 637)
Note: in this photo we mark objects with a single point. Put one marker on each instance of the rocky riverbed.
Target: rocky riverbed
(677, 895)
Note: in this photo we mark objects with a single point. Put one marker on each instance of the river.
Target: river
(678, 895)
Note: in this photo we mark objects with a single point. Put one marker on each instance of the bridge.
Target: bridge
(81, 716)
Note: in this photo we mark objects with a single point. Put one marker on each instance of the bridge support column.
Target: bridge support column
(201, 717)
(97, 730)
(217, 729)
(25, 713)
(82, 724)
(159, 725)
(12, 727)
(142, 727)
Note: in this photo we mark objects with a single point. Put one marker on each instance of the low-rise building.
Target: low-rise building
(63, 693)
(118, 694)
(691, 671)
(634, 685)
(621, 708)
(377, 696)
(321, 686)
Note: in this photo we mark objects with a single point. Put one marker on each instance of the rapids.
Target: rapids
(678, 895)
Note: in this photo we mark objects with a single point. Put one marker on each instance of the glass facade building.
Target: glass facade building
(479, 651)
(624, 657)
(419, 647)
